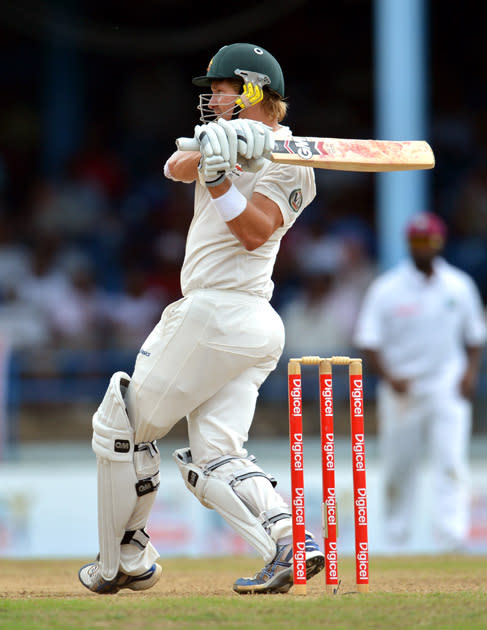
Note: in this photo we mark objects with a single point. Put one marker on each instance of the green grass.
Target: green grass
(429, 592)
(461, 611)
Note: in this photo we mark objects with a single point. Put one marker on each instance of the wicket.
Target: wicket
(329, 514)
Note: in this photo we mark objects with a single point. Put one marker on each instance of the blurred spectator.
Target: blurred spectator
(14, 258)
(69, 209)
(48, 291)
(23, 326)
(80, 322)
(319, 319)
(163, 278)
(133, 313)
(169, 245)
(46, 281)
(357, 269)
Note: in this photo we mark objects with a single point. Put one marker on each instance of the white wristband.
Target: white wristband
(230, 204)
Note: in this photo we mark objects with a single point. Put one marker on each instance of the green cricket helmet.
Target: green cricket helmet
(246, 61)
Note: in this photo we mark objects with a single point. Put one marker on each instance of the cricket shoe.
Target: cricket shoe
(277, 576)
(91, 577)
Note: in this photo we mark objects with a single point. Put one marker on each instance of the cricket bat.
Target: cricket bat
(340, 154)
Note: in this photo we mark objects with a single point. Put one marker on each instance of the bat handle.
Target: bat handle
(188, 144)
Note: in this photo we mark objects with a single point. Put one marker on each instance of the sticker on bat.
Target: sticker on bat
(298, 146)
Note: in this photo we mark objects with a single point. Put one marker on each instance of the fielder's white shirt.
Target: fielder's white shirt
(421, 325)
(215, 258)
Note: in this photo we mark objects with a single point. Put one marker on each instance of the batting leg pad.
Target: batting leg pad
(113, 435)
(113, 443)
(137, 553)
(242, 493)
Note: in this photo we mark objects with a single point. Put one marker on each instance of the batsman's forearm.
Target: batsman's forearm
(183, 165)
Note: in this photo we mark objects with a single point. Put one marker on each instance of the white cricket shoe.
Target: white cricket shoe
(91, 577)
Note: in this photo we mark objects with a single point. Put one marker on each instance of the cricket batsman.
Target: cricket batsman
(212, 350)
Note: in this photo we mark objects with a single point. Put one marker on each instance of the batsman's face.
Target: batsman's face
(222, 101)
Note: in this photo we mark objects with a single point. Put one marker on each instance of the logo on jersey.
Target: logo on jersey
(296, 199)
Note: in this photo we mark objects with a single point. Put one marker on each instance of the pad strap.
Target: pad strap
(270, 517)
(236, 479)
(137, 537)
(150, 483)
(147, 485)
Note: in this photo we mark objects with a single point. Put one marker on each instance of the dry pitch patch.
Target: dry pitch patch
(30, 579)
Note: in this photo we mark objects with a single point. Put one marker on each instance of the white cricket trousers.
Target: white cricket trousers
(205, 360)
(437, 424)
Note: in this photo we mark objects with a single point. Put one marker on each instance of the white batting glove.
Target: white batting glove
(212, 170)
(232, 139)
(254, 138)
(214, 141)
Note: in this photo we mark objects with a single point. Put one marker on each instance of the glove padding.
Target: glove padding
(226, 142)
(218, 148)
(217, 139)
(212, 170)
(254, 138)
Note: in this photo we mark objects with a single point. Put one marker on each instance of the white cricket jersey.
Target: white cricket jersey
(215, 258)
(421, 325)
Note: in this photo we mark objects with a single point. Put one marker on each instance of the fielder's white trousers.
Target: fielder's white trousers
(438, 425)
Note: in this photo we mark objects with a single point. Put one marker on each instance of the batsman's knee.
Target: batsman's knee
(113, 435)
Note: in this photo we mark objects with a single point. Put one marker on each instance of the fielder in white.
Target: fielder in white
(422, 328)
(212, 349)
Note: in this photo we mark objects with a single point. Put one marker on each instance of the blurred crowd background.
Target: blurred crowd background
(93, 96)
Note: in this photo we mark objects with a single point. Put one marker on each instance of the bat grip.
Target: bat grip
(187, 144)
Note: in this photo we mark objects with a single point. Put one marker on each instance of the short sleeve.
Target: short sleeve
(291, 187)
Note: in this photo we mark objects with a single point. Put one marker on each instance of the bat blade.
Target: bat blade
(354, 155)
(341, 154)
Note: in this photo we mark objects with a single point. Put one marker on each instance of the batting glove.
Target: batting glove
(254, 138)
(212, 170)
(217, 140)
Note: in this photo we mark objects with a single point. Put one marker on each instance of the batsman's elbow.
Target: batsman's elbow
(248, 241)
(182, 166)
